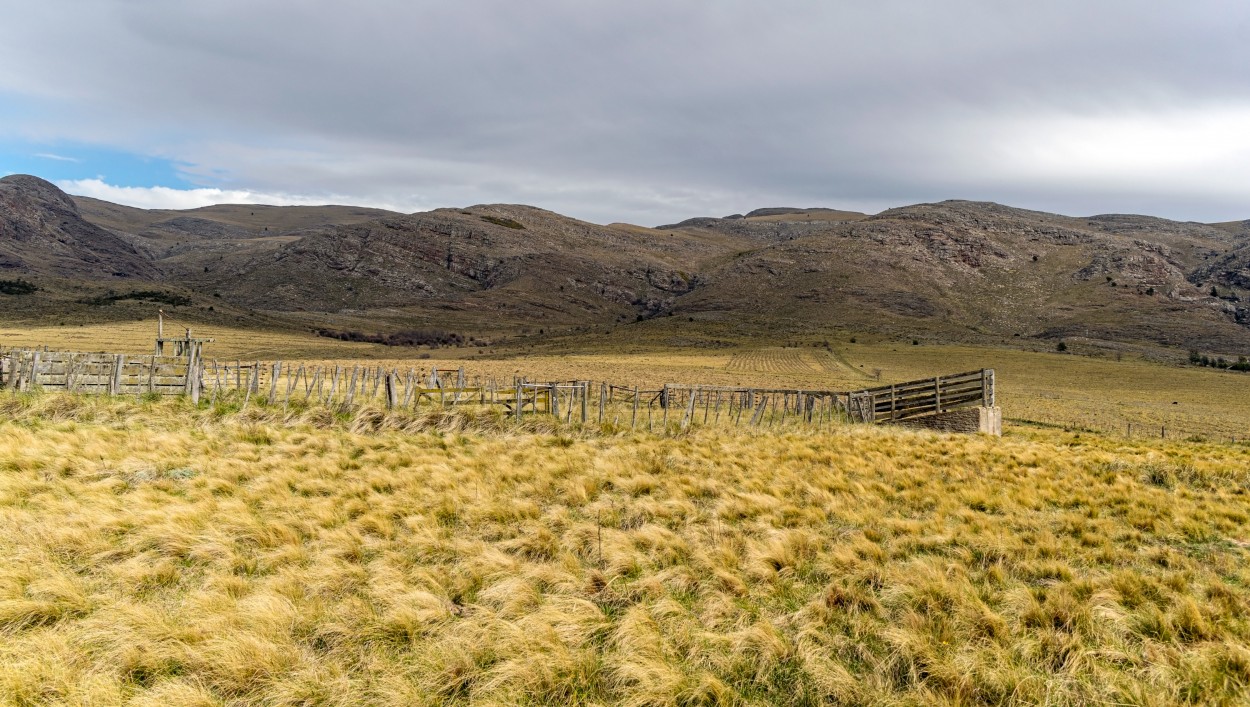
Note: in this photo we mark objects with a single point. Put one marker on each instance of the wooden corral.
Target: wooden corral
(101, 373)
(680, 406)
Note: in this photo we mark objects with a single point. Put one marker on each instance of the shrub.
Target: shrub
(415, 337)
(159, 296)
(16, 287)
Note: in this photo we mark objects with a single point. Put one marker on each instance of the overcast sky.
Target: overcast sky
(646, 111)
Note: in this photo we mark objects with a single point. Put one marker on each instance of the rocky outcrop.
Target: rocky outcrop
(43, 234)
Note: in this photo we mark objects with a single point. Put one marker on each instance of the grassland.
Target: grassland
(159, 554)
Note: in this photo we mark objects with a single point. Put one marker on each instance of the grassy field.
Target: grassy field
(1100, 394)
(158, 554)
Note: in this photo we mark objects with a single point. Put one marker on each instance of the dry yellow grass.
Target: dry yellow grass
(157, 554)
(228, 343)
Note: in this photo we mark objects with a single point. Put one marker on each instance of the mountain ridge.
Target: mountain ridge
(949, 270)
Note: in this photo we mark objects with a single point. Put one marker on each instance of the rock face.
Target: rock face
(43, 234)
(964, 270)
(497, 257)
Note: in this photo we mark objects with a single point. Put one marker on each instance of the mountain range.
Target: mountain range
(954, 270)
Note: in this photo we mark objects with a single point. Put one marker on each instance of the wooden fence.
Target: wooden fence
(905, 401)
(101, 373)
(669, 406)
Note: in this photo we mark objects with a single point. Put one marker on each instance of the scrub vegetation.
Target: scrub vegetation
(154, 553)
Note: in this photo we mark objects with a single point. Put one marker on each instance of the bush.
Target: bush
(16, 287)
(1061, 347)
(158, 296)
(416, 337)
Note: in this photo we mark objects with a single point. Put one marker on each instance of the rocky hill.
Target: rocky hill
(953, 270)
(42, 233)
(956, 268)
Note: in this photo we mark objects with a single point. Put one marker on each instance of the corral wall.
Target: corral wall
(986, 420)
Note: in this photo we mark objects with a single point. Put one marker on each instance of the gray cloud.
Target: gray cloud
(653, 111)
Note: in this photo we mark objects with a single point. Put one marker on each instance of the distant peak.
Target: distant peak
(38, 189)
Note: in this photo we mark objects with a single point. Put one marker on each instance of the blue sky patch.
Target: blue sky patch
(56, 162)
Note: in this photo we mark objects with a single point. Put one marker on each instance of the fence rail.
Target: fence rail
(904, 401)
(101, 373)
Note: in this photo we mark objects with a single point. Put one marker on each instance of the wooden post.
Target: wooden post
(334, 384)
(275, 373)
(664, 403)
(115, 382)
(755, 419)
(14, 359)
(585, 396)
(195, 366)
(216, 382)
(293, 382)
(603, 393)
(633, 423)
(247, 394)
(392, 395)
(32, 379)
(937, 393)
(379, 376)
(152, 374)
(685, 419)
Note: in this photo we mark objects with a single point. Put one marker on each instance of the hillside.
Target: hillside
(965, 269)
(42, 234)
(952, 271)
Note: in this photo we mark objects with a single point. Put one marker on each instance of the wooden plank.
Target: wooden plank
(929, 395)
(926, 382)
(886, 404)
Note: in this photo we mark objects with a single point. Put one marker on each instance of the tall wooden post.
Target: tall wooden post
(633, 423)
(391, 392)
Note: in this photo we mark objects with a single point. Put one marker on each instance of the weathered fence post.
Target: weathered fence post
(685, 420)
(664, 400)
(115, 380)
(275, 372)
(391, 393)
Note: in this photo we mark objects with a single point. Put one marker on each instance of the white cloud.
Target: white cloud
(169, 198)
(648, 111)
(57, 158)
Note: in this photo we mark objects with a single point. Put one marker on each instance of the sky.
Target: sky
(648, 112)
